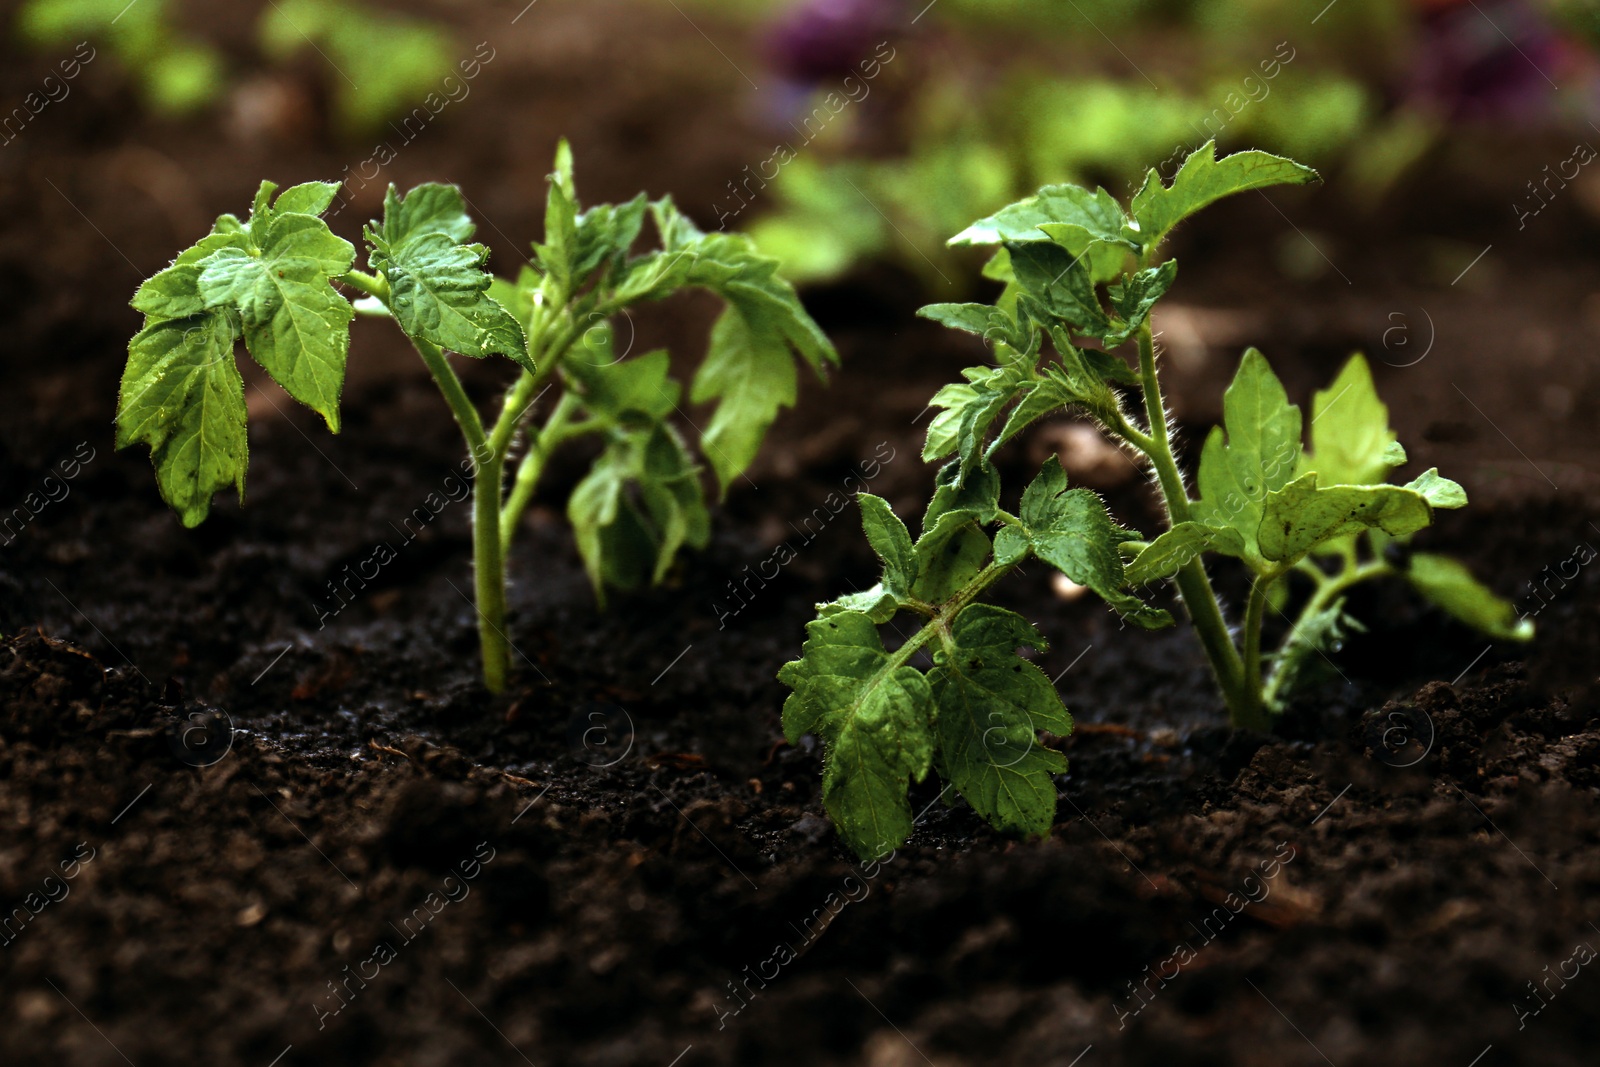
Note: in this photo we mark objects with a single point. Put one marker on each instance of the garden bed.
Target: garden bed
(619, 861)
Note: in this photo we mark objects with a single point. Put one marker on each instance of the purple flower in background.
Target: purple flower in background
(1466, 68)
(819, 40)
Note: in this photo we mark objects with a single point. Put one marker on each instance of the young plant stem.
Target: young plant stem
(1199, 599)
(557, 429)
(941, 616)
(1328, 589)
(488, 455)
(1255, 611)
(488, 555)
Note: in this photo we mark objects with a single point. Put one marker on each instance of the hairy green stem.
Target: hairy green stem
(1254, 614)
(1199, 599)
(488, 557)
(542, 442)
(555, 430)
(370, 284)
(1332, 587)
(938, 624)
(1328, 588)
(455, 395)
(488, 457)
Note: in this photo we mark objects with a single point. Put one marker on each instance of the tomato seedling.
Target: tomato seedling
(274, 280)
(1081, 275)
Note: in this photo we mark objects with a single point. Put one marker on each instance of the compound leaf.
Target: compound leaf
(991, 704)
(296, 324)
(183, 396)
(1204, 179)
(1167, 554)
(1351, 442)
(873, 717)
(749, 368)
(1439, 491)
(1451, 587)
(891, 540)
(1300, 516)
(1252, 454)
(1071, 530)
(438, 288)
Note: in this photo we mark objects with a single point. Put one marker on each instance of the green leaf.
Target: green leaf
(174, 293)
(948, 555)
(1301, 516)
(978, 416)
(428, 208)
(261, 211)
(993, 324)
(976, 490)
(1351, 442)
(183, 396)
(991, 704)
(944, 430)
(438, 288)
(639, 504)
(1451, 587)
(872, 715)
(1035, 401)
(1109, 368)
(1084, 380)
(891, 540)
(296, 324)
(1204, 179)
(517, 296)
(1167, 554)
(1072, 531)
(558, 255)
(311, 198)
(1313, 638)
(749, 371)
(1440, 492)
(624, 392)
(1096, 214)
(876, 603)
(606, 232)
(1253, 454)
(1134, 298)
(1062, 285)
(678, 232)
(970, 408)
(1088, 225)
(272, 282)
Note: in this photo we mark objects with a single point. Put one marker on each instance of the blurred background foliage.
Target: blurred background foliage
(995, 99)
(1365, 87)
(386, 62)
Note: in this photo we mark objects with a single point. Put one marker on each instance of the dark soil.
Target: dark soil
(600, 867)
